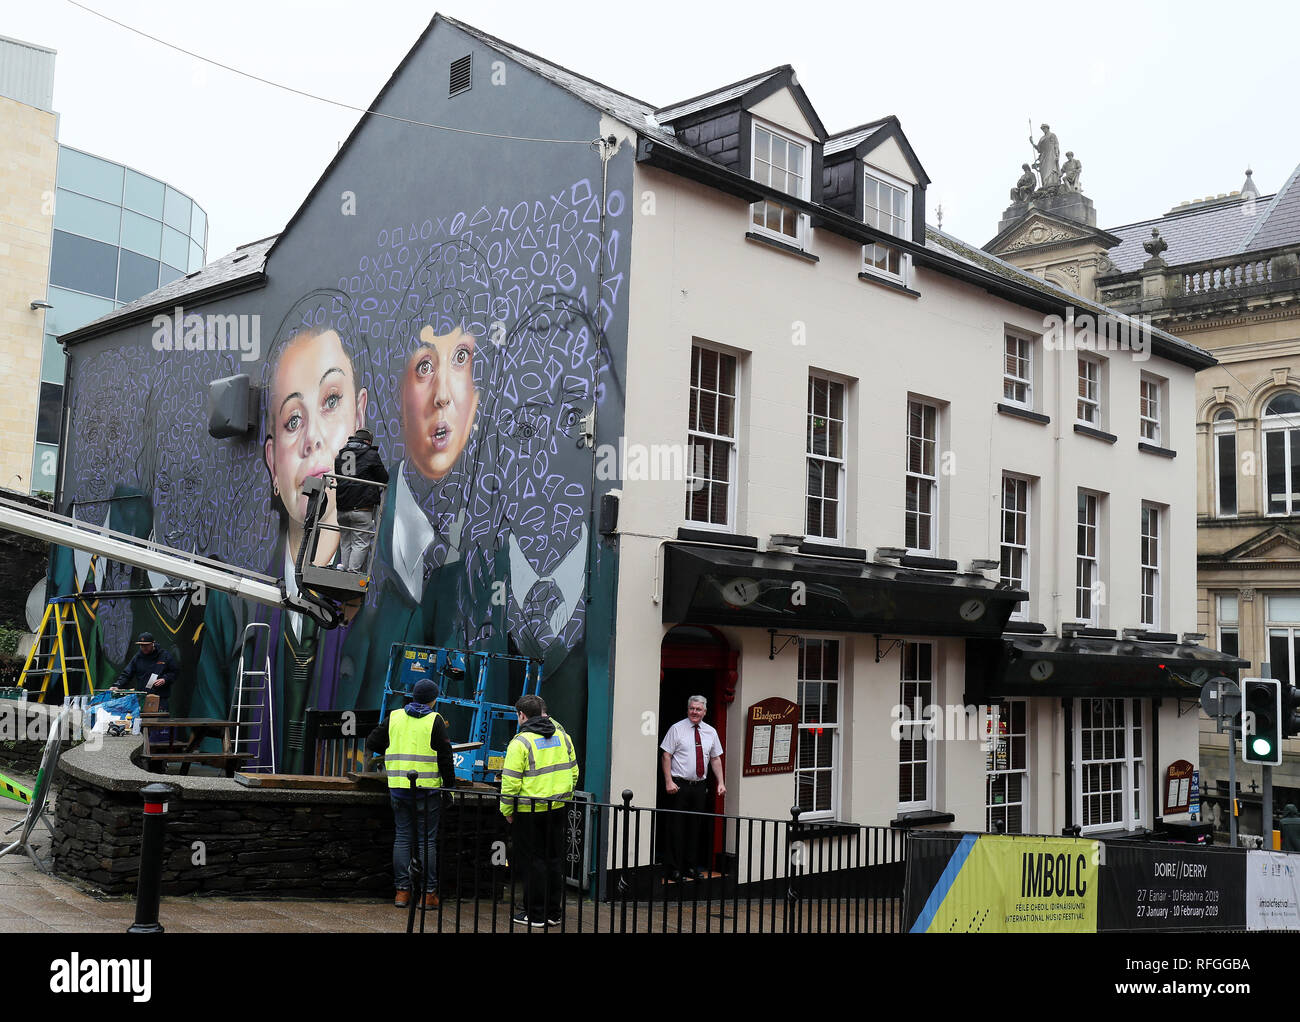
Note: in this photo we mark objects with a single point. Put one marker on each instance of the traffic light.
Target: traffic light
(1261, 721)
(1290, 710)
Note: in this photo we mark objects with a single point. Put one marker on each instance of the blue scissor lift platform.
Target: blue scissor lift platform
(462, 680)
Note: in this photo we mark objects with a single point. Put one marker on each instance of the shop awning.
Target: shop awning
(729, 586)
(1048, 665)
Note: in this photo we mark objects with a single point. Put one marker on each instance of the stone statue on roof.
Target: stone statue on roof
(1049, 157)
(1025, 186)
(1071, 169)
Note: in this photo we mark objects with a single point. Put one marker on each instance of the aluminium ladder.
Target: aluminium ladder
(252, 705)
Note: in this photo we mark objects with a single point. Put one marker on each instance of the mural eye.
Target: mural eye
(461, 357)
(424, 368)
(292, 423)
(333, 401)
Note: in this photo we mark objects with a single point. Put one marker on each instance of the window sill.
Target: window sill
(694, 533)
(782, 246)
(920, 818)
(1098, 434)
(1163, 452)
(1023, 413)
(893, 285)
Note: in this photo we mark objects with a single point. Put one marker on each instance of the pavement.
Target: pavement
(36, 902)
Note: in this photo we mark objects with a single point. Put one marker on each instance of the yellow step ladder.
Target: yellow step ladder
(54, 655)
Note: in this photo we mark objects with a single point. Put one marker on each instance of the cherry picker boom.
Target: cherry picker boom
(322, 593)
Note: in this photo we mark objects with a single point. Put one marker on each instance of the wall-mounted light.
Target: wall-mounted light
(38, 304)
(984, 564)
(890, 553)
(781, 539)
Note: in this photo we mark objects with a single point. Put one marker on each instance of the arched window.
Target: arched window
(1286, 403)
(1281, 424)
(1225, 463)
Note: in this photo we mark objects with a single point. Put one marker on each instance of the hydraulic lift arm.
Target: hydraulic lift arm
(127, 549)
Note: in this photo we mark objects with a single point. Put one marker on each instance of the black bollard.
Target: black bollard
(148, 891)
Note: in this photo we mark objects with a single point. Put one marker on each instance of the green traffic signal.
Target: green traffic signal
(1261, 738)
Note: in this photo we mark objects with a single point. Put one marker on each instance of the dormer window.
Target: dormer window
(780, 161)
(887, 207)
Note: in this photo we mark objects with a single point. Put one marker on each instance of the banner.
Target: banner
(992, 883)
(1272, 891)
(1173, 887)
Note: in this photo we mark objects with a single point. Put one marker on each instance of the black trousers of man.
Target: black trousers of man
(538, 861)
(686, 826)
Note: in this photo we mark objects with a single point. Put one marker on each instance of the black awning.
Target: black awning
(1048, 665)
(726, 586)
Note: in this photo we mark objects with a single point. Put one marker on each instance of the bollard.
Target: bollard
(149, 888)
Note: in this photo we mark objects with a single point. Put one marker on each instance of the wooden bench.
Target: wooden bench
(229, 762)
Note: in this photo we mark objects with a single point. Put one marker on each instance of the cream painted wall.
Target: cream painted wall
(888, 156)
(781, 109)
(27, 177)
(696, 278)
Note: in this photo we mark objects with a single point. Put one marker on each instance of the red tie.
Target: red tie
(699, 755)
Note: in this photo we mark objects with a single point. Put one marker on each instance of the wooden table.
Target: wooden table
(158, 753)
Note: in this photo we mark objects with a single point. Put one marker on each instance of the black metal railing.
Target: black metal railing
(754, 875)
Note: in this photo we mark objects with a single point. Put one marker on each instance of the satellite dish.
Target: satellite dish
(36, 606)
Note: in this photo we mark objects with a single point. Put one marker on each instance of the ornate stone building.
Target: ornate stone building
(1223, 273)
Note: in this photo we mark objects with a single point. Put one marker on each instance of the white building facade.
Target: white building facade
(863, 423)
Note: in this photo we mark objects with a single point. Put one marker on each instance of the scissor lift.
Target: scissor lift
(472, 720)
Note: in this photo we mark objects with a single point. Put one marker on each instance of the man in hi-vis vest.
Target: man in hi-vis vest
(540, 764)
(415, 738)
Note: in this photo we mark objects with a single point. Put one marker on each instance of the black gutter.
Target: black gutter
(225, 289)
(696, 168)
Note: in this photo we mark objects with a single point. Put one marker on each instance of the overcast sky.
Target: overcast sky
(1161, 101)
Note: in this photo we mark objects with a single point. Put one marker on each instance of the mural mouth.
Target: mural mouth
(441, 436)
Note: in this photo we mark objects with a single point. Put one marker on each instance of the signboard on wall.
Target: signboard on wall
(1272, 890)
(771, 737)
(1178, 786)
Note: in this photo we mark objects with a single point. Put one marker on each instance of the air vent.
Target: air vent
(462, 72)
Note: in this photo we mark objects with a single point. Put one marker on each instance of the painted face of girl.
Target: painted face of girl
(439, 401)
(314, 407)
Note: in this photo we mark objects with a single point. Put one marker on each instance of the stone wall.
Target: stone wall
(224, 838)
(305, 850)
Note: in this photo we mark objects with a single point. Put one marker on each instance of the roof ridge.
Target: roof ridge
(1263, 219)
(497, 43)
(869, 124)
(1182, 214)
(723, 88)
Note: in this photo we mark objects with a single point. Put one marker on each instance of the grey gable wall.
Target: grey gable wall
(529, 213)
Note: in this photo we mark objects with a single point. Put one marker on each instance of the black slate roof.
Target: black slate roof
(849, 139)
(245, 262)
(1280, 224)
(1229, 227)
(717, 97)
(1199, 233)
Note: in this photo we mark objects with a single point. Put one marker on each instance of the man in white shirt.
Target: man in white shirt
(689, 748)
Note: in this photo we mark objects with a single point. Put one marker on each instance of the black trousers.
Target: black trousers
(538, 861)
(685, 827)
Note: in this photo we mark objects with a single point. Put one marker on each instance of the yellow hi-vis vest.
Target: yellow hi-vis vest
(537, 767)
(408, 749)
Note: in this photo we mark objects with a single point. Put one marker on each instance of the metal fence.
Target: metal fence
(755, 875)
